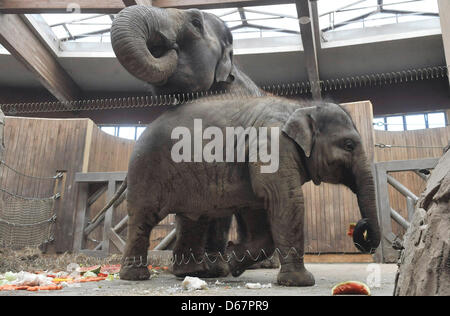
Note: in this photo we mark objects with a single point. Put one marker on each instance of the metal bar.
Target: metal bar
(100, 176)
(401, 12)
(107, 224)
(410, 206)
(405, 165)
(401, 188)
(121, 225)
(399, 219)
(306, 12)
(167, 240)
(117, 241)
(93, 225)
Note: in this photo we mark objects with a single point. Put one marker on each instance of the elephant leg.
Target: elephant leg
(134, 262)
(189, 251)
(216, 241)
(255, 241)
(288, 236)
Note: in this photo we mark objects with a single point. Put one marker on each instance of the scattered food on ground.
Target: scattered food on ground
(58, 276)
(350, 288)
(254, 286)
(193, 283)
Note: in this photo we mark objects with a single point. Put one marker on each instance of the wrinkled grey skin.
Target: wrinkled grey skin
(180, 51)
(318, 143)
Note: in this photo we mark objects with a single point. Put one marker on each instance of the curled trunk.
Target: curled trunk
(134, 32)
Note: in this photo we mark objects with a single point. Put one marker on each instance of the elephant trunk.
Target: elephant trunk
(365, 191)
(134, 32)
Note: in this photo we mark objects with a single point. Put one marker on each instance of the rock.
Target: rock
(424, 264)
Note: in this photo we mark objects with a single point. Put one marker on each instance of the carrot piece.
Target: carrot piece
(22, 287)
(33, 288)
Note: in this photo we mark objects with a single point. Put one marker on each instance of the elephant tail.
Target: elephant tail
(113, 200)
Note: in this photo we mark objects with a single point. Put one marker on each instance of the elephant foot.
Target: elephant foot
(300, 277)
(217, 268)
(134, 273)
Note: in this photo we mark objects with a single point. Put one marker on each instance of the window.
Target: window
(124, 131)
(410, 121)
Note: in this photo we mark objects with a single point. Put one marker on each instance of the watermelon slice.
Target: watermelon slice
(93, 269)
(350, 288)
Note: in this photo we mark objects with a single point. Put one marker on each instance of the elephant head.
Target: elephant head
(174, 50)
(333, 153)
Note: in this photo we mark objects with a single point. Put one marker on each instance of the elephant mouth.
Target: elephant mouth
(159, 45)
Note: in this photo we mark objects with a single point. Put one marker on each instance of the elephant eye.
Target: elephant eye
(197, 23)
(349, 145)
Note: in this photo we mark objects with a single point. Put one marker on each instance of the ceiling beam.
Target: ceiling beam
(444, 15)
(309, 30)
(128, 3)
(25, 46)
(114, 6)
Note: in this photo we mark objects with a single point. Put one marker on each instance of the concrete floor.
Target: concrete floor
(381, 276)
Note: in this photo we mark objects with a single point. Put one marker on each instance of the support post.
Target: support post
(444, 16)
(309, 30)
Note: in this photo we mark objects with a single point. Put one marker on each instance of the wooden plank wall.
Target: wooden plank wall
(107, 154)
(41, 147)
(417, 142)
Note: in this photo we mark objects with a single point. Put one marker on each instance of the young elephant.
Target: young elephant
(318, 143)
(182, 51)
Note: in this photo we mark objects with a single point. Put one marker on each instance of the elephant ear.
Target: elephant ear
(301, 127)
(225, 66)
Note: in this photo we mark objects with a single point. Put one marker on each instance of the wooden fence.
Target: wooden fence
(45, 146)
(425, 143)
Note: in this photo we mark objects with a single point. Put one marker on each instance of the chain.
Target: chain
(289, 89)
(142, 261)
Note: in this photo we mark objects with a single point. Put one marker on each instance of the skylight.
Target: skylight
(351, 14)
(265, 21)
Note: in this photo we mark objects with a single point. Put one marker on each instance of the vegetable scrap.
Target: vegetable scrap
(57, 280)
(351, 229)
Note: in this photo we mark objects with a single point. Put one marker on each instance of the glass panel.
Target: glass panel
(394, 123)
(139, 131)
(60, 31)
(127, 132)
(419, 5)
(111, 130)
(436, 120)
(283, 9)
(378, 123)
(53, 19)
(414, 122)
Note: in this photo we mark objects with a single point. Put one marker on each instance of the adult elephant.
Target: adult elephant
(178, 51)
(183, 51)
(318, 142)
